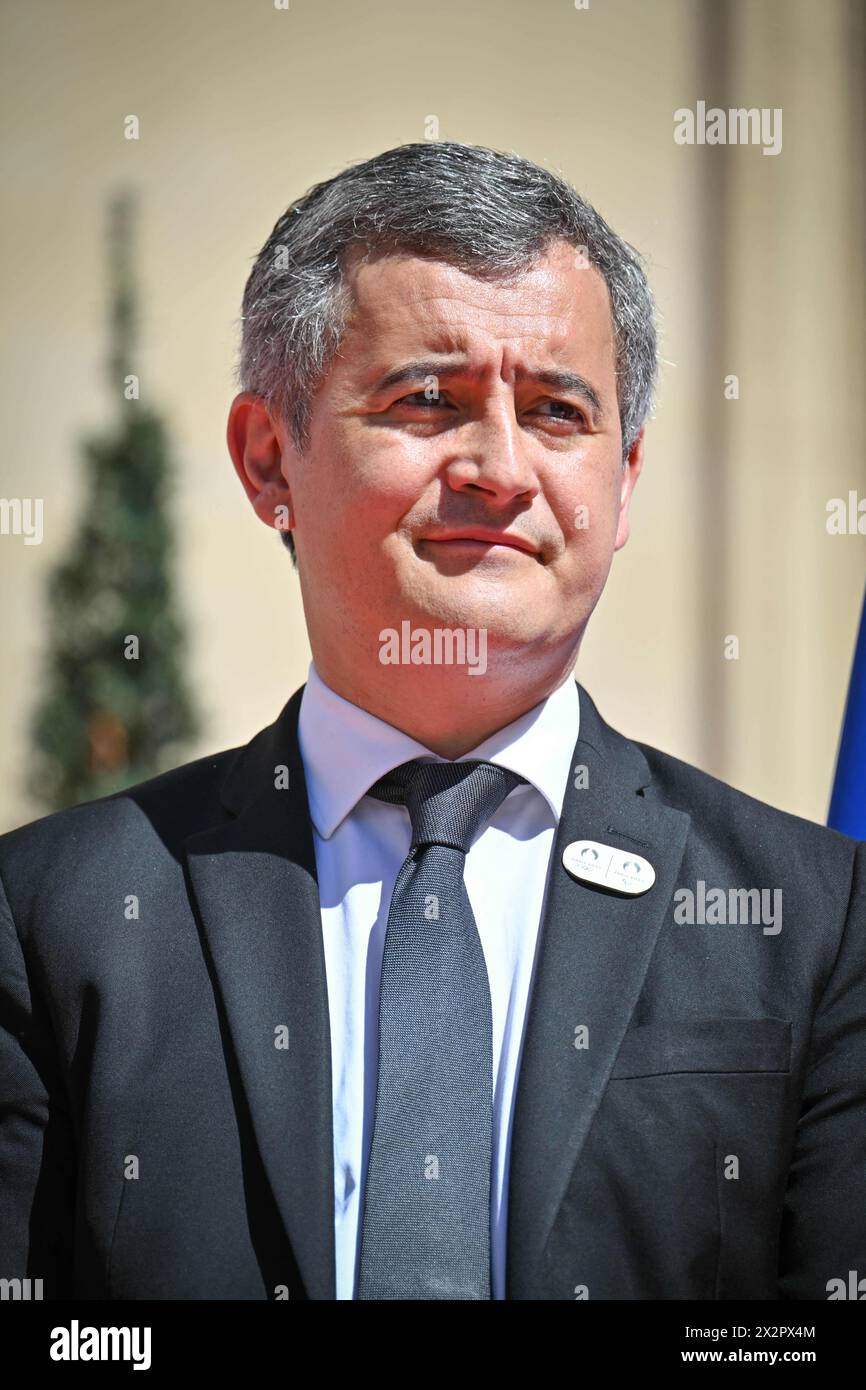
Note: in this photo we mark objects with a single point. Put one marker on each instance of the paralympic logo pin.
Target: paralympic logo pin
(604, 866)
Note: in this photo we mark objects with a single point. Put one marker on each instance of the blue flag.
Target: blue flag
(848, 802)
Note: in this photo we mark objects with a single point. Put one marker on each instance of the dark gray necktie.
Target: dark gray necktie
(426, 1219)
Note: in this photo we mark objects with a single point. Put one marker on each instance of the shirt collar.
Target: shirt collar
(345, 749)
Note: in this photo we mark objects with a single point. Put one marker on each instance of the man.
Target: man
(439, 988)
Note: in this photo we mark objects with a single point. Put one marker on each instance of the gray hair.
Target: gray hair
(487, 213)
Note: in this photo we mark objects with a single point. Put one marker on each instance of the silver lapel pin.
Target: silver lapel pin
(606, 867)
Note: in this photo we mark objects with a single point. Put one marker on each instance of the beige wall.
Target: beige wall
(756, 262)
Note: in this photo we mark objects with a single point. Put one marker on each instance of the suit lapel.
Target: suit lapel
(593, 954)
(254, 881)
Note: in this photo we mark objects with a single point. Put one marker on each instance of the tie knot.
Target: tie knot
(447, 802)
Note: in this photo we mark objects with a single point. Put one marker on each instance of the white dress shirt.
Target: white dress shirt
(360, 844)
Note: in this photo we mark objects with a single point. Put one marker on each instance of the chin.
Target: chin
(485, 588)
(507, 616)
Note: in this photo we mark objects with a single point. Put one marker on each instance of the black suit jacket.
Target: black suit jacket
(708, 1143)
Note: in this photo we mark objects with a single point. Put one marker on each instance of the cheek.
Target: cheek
(335, 490)
(587, 513)
(587, 505)
(384, 475)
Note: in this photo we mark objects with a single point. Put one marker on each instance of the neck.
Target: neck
(446, 712)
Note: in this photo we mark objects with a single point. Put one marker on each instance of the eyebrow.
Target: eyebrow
(571, 383)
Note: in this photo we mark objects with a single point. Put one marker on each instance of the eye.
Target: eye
(418, 398)
(576, 413)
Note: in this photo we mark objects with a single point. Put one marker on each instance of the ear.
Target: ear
(630, 474)
(257, 455)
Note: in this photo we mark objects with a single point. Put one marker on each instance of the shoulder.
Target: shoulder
(745, 825)
(164, 810)
(739, 835)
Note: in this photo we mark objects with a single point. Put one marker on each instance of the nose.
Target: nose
(493, 457)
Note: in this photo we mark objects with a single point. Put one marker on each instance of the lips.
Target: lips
(483, 537)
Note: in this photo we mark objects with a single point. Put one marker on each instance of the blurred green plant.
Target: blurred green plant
(116, 706)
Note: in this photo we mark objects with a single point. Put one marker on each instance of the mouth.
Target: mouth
(481, 540)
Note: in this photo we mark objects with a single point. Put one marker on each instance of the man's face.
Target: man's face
(458, 406)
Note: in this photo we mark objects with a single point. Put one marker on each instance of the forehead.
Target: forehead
(556, 311)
